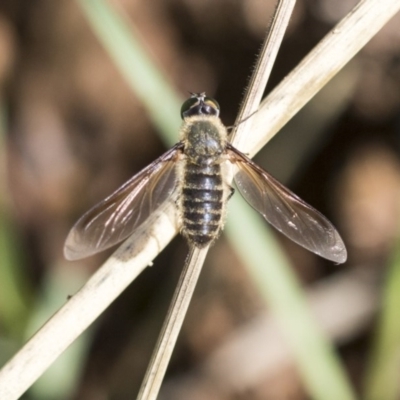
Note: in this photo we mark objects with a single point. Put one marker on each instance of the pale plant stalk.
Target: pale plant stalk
(176, 314)
(327, 58)
(173, 323)
(262, 71)
(333, 52)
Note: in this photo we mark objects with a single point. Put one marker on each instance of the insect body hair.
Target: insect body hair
(203, 189)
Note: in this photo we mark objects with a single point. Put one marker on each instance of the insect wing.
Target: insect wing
(116, 217)
(285, 211)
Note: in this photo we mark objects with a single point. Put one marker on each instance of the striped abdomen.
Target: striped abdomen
(202, 203)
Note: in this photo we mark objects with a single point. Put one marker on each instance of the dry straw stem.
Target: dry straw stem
(317, 68)
(194, 262)
(262, 70)
(335, 50)
(173, 323)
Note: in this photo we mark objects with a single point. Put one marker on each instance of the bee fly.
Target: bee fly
(193, 174)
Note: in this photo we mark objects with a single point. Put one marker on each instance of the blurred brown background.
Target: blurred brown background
(75, 132)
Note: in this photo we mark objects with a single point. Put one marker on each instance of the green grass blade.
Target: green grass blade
(319, 366)
(143, 76)
(383, 376)
(14, 291)
(61, 380)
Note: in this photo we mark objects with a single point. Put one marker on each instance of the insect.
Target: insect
(193, 174)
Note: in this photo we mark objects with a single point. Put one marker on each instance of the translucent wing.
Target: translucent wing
(116, 217)
(285, 211)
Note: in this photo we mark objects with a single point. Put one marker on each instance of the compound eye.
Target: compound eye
(188, 105)
(199, 104)
(213, 104)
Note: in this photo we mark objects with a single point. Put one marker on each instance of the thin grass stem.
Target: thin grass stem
(184, 291)
(262, 70)
(173, 323)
